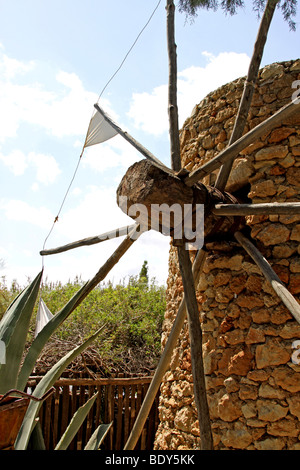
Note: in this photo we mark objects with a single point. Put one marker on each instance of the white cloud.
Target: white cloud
(16, 161)
(149, 110)
(45, 166)
(96, 213)
(21, 211)
(64, 111)
(10, 68)
(115, 153)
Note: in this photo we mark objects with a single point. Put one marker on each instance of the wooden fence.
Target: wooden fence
(118, 401)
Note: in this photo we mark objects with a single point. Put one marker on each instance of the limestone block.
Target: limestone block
(270, 410)
(237, 438)
(274, 152)
(229, 408)
(270, 444)
(272, 353)
(272, 70)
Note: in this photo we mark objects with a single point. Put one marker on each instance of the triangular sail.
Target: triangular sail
(99, 131)
(43, 317)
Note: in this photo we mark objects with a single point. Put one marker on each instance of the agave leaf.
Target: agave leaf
(97, 437)
(13, 333)
(75, 424)
(42, 338)
(37, 439)
(47, 381)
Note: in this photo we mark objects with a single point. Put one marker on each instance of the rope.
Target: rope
(134, 43)
(78, 163)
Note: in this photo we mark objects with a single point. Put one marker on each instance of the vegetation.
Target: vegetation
(15, 371)
(190, 7)
(132, 313)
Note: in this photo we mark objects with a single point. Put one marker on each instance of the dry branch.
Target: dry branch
(287, 298)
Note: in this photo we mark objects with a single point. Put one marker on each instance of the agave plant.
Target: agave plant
(14, 374)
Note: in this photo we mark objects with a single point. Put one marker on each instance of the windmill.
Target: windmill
(182, 187)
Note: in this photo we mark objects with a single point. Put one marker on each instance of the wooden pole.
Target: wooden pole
(279, 208)
(246, 98)
(164, 361)
(133, 235)
(119, 232)
(195, 331)
(289, 301)
(145, 152)
(232, 152)
(172, 90)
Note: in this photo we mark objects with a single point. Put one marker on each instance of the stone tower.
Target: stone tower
(250, 338)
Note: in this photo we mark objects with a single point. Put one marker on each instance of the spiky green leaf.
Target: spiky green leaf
(75, 424)
(98, 436)
(13, 333)
(41, 339)
(47, 381)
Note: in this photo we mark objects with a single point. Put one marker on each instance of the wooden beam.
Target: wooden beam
(133, 235)
(145, 152)
(33, 380)
(279, 208)
(119, 232)
(164, 361)
(172, 89)
(195, 331)
(248, 91)
(283, 293)
(232, 152)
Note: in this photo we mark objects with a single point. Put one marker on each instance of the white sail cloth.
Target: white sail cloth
(99, 130)
(43, 317)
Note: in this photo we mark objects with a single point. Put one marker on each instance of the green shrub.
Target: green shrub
(132, 311)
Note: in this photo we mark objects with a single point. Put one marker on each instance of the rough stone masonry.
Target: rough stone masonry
(253, 383)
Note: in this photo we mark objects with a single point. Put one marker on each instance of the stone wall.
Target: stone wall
(252, 383)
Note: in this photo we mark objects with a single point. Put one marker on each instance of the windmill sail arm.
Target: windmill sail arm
(119, 232)
(145, 152)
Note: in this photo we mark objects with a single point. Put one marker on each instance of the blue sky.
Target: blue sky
(55, 59)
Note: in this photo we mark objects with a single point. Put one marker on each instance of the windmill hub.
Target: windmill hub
(160, 200)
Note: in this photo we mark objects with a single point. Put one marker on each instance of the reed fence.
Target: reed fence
(119, 400)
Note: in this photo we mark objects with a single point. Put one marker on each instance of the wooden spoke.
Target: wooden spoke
(195, 331)
(172, 88)
(248, 91)
(280, 208)
(132, 141)
(119, 232)
(287, 298)
(133, 235)
(164, 360)
(232, 152)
